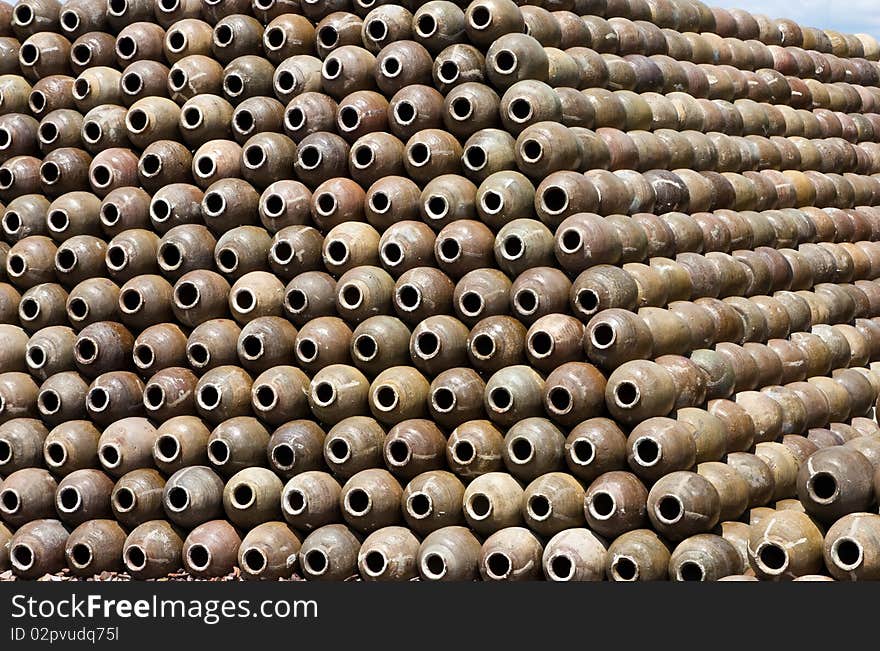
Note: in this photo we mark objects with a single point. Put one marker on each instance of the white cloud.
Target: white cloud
(851, 16)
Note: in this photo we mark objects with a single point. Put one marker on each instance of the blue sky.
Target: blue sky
(851, 16)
